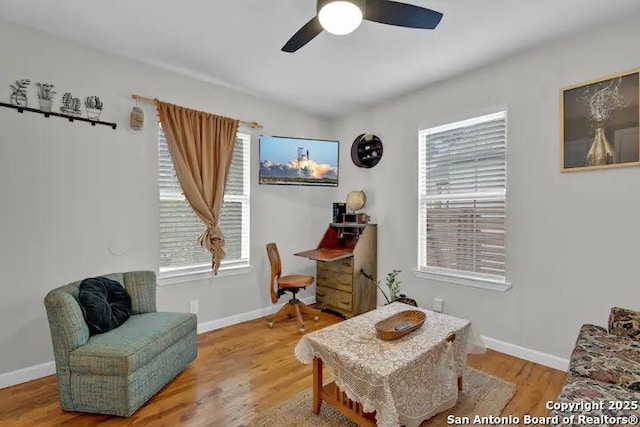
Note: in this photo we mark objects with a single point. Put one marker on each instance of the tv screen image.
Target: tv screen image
(298, 161)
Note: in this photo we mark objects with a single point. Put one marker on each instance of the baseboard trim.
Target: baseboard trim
(245, 317)
(29, 373)
(535, 356)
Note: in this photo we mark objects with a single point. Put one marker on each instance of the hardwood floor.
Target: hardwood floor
(241, 370)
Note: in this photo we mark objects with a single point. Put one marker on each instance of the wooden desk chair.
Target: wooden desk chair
(291, 283)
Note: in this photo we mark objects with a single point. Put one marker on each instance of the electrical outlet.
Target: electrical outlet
(193, 306)
(438, 304)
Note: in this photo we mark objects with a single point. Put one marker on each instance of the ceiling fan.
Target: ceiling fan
(344, 16)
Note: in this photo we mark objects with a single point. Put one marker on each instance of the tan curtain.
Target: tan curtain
(201, 147)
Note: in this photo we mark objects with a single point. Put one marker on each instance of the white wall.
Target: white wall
(572, 238)
(70, 191)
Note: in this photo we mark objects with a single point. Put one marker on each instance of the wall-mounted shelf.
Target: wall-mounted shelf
(366, 151)
(64, 116)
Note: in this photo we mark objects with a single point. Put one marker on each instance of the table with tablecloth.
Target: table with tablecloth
(405, 381)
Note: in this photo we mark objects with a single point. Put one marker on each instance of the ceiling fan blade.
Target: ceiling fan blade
(303, 36)
(401, 14)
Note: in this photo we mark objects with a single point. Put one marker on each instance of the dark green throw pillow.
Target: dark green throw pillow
(105, 304)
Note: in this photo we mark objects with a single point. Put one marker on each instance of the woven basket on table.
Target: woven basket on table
(385, 329)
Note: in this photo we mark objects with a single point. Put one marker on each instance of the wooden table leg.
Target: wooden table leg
(317, 385)
(460, 383)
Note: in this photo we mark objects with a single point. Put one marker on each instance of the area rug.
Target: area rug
(483, 395)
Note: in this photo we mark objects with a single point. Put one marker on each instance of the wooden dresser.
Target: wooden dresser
(347, 268)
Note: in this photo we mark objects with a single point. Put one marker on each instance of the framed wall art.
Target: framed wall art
(298, 161)
(599, 123)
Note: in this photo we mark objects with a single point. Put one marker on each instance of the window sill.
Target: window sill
(175, 278)
(461, 279)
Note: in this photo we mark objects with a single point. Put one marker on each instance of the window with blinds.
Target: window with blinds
(462, 194)
(180, 228)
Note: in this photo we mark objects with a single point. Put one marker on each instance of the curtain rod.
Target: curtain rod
(254, 125)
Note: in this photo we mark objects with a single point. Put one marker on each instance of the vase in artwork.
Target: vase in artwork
(601, 152)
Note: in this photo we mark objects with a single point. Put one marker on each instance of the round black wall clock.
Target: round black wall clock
(366, 150)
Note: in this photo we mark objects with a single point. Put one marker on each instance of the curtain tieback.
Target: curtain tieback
(213, 240)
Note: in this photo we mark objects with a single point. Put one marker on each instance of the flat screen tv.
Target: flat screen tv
(298, 161)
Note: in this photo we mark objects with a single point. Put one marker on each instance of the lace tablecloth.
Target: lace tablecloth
(405, 381)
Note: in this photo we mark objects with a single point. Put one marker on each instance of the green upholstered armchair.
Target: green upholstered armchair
(117, 372)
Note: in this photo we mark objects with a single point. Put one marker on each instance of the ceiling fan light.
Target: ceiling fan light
(340, 17)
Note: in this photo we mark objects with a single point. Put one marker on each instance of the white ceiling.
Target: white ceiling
(237, 42)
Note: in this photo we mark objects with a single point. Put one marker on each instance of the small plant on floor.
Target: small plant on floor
(393, 284)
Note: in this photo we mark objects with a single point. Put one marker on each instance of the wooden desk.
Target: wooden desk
(326, 254)
(343, 254)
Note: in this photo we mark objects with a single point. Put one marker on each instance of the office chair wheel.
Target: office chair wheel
(302, 330)
(270, 324)
(316, 318)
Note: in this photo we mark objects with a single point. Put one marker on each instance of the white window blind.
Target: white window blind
(180, 228)
(462, 193)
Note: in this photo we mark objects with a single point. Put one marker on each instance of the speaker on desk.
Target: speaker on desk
(339, 209)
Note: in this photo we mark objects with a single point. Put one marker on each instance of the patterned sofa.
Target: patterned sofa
(117, 372)
(604, 367)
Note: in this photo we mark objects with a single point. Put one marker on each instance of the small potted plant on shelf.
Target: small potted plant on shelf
(70, 105)
(94, 106)
(19, 92)
(393, 284)
(45, 96)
